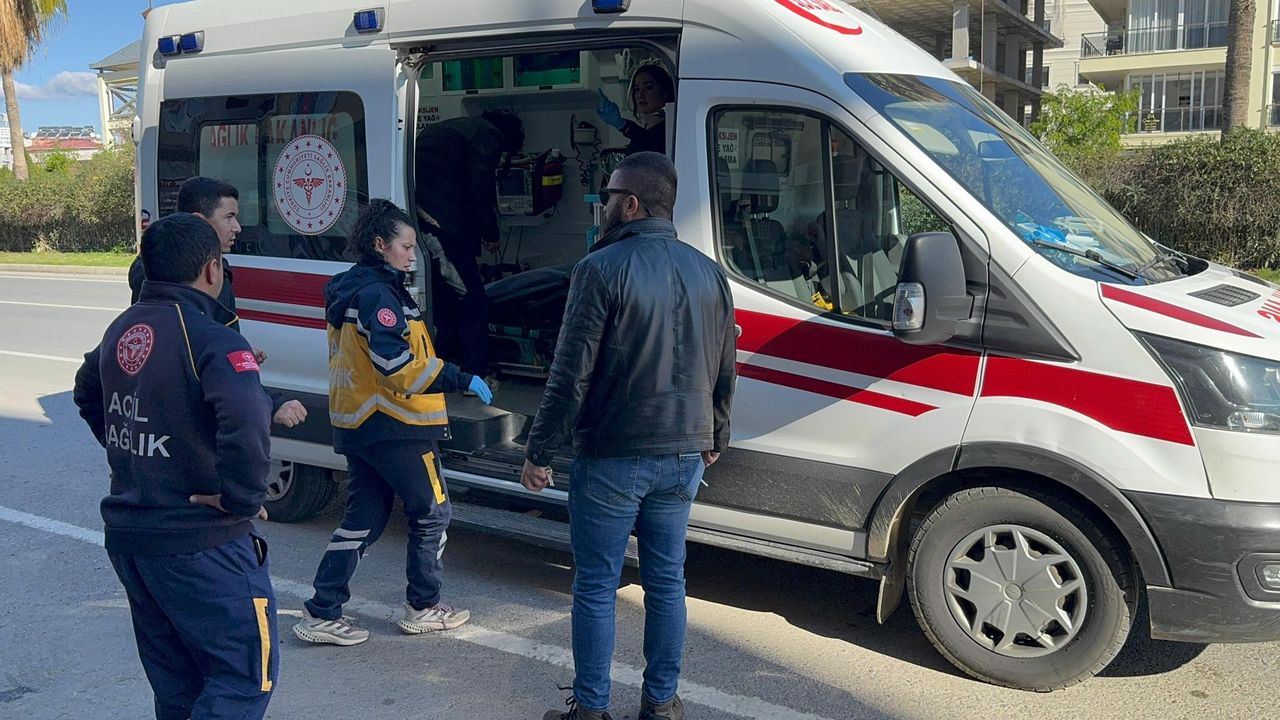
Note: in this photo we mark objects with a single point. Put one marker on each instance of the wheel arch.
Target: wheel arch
(921, 486)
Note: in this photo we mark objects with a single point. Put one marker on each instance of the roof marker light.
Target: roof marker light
(368, 21)
(191, 43)
(610, 6)
(168, 46)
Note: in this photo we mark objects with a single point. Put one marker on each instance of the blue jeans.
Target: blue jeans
(608, 498)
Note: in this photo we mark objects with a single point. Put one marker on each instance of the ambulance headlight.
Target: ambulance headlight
(1221, 390)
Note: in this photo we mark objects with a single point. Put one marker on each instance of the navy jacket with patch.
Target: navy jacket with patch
(174, 396)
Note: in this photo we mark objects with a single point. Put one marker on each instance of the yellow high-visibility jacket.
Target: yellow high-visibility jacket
(382, 362)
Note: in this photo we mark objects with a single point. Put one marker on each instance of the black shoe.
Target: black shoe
(672, 710)
(576, 713)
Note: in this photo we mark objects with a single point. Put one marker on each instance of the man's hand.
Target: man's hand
(215, 502)
(290, 414)
(491, 246)
(535, 478)
(259, 355)
(709, 457)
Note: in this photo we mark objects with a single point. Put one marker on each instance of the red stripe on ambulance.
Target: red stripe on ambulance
(862, 353)
(861, 396)
(1161, 307)
(1129, 406)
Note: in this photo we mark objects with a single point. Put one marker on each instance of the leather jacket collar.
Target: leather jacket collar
(643, 226)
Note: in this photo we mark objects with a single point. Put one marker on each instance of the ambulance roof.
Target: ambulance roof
(737, 39)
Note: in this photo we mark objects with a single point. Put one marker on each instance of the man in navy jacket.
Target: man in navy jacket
(173, 394)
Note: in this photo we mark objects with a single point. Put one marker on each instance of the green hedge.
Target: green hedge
(82, 207)
(1215, 199)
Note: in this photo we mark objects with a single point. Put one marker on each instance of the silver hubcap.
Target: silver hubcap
(1016, 591)
(279, 480)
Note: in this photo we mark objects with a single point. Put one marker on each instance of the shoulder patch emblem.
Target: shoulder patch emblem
(387, 317)
(134, 347)
(243, 361)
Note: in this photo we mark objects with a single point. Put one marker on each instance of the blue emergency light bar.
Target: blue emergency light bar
(610, 6)
(368, 21)
(187, 44)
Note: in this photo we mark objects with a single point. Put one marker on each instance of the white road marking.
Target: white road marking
(114, 279)
(740, 705)
(36, 356)
(64, 307)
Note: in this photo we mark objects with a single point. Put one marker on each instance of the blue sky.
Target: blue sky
(57, 87)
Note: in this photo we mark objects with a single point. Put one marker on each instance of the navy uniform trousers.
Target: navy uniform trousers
(377, 474)
(205, 624)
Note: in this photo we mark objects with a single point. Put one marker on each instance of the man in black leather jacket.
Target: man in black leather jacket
(643, 378)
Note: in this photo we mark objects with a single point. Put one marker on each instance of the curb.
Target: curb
(65, 270)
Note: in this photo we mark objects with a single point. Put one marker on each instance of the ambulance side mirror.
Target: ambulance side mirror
(931, 303)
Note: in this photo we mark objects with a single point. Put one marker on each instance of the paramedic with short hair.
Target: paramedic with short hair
(218, 203)
(173, 395)
(386, 404)
(643, 376)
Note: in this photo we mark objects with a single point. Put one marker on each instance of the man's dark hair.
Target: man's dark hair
(203, 194)
(652, 177)
(509, 126)
(176, 247)
(379, 219)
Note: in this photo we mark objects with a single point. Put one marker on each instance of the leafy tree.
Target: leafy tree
(23, 26)
(1076, 123)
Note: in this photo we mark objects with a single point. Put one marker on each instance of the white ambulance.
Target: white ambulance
(962, 374)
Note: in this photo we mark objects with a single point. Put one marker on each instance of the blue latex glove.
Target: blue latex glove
(481, 390)
(609, 112)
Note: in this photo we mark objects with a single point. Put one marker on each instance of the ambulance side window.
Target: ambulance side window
(874, 215)
(297, 159)
(770, 175)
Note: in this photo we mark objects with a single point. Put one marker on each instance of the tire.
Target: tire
(297, 492)
(969, 599)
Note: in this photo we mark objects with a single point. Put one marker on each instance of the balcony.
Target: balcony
(1171, 120)
(1170, 38)
(1107, 58)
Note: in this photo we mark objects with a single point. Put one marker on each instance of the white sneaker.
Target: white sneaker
(329, 632)
(441, 617)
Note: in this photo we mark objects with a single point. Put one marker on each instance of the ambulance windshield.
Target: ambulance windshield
(1017, 179)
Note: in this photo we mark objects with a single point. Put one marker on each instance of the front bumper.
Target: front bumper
(1213, 549)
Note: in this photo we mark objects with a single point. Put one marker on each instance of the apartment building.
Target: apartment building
(998, 46)
(1174, 52)
(1070, 20)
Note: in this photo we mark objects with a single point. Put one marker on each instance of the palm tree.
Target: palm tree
(1235, 96)
(23, 26)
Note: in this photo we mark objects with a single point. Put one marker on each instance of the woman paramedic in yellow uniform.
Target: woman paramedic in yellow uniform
(386, 403)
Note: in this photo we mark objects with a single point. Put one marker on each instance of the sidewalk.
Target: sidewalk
(64, 270)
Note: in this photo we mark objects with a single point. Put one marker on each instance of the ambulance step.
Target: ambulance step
(554, 535)
(550, 534)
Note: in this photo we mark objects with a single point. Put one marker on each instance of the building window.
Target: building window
(1177, 102)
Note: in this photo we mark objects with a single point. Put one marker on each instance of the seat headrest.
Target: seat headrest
(761, 185)
(846, 176)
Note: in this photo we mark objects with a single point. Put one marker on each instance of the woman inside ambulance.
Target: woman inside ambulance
(651, 89)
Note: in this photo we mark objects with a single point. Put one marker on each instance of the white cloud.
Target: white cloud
(64, 86)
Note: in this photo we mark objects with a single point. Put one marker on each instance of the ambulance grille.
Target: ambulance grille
(1228, 295)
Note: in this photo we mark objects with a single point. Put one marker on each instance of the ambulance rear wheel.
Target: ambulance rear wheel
(1019, 589)
(296, 492)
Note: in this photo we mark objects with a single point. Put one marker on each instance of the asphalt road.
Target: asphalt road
(766, 639)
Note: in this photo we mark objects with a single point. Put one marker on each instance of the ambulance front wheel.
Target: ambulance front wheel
(296, 492)
(1019, 589)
